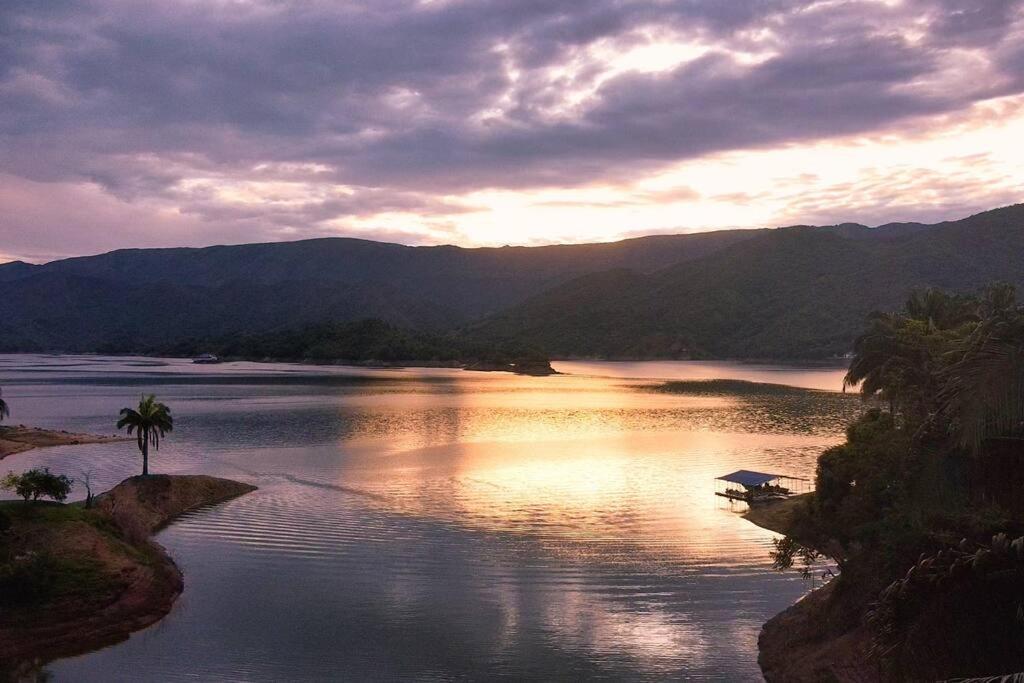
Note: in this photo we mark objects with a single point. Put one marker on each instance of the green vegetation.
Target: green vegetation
(76, 577)
(41, 577)
(791, 293)
(788, 551)
(150, 421)
(34, 578)
(731, 387)
(105, 301)
(931, 481)
(38, 483)
(797, 292)
(363, 341)
(31, 576)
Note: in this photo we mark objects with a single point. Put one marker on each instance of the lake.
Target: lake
(437, 524)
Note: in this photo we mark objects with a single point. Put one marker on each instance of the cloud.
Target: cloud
(397, 108)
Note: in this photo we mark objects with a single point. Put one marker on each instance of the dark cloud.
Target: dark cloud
(422, 98)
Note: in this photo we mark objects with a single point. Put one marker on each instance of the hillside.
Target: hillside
(797, 292)
(153, 296)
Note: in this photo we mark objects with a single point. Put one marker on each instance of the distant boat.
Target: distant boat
(206, 359)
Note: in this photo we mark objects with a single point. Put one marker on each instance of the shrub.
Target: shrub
(38, 483)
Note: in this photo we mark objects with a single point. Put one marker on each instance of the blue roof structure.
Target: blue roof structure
(748, 478)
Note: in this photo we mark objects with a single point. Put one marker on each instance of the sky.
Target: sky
(489, 122)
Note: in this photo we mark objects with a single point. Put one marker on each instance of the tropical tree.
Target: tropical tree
(983, 389)
(37, 483)
(941, 310)
(4, 410)
(150, 421)
(900, 356)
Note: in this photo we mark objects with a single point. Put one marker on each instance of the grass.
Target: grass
(50, 513)
(43, 511)
(36, 571)
(36, 578)
(44, 578)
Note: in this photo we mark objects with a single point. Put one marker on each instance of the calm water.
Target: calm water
(439, 524)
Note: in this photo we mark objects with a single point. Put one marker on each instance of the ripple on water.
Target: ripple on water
(443, 526)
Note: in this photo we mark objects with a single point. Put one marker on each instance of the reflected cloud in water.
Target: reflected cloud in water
(443, 524)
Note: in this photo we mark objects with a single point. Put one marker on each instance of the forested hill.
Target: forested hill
(152, 296)
(798, 292)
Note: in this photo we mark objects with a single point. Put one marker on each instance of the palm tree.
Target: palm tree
(941, 310)
(4, 410)
(983, 391)
(900, 355)
(875, 360)
(895, 359)
(151, 420)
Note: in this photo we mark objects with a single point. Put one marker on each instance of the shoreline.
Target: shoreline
(776, 516)
(118, 579)
(796, 362)
(801, 643)
(19, 439)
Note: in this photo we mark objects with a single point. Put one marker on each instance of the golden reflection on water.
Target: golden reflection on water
(514, 526)
(421, 415)
(571, 462)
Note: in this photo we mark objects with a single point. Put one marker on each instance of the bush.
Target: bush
(38, 483)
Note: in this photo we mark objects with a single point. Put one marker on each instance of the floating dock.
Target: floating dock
(760, 487)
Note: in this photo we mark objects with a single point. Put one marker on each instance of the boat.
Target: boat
(206, 359)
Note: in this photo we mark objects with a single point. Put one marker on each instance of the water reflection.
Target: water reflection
(443, 524)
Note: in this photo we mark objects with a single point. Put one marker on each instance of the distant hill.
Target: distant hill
(147, 297)
(797, 292)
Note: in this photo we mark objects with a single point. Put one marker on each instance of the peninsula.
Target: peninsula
(20, 438)
(76, 579)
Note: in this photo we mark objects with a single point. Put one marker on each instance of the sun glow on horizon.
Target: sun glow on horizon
(942, 172)
(554, 124)
(903, 175)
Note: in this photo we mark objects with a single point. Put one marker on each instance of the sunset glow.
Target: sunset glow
(491, 123)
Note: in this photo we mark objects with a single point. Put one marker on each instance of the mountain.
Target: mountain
(798, 292)
(15, 269)
(145, 297)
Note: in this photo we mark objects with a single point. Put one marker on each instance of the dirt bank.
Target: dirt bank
(20, 438)
(776, 516)
(812, 640)
(76, 579)
(147, 504)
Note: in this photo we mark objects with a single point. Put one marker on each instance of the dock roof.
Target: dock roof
(749, 478)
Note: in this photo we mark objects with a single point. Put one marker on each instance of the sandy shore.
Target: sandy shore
(111, 580)
(18, 439)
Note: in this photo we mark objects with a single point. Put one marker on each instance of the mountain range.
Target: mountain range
(794, 292)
